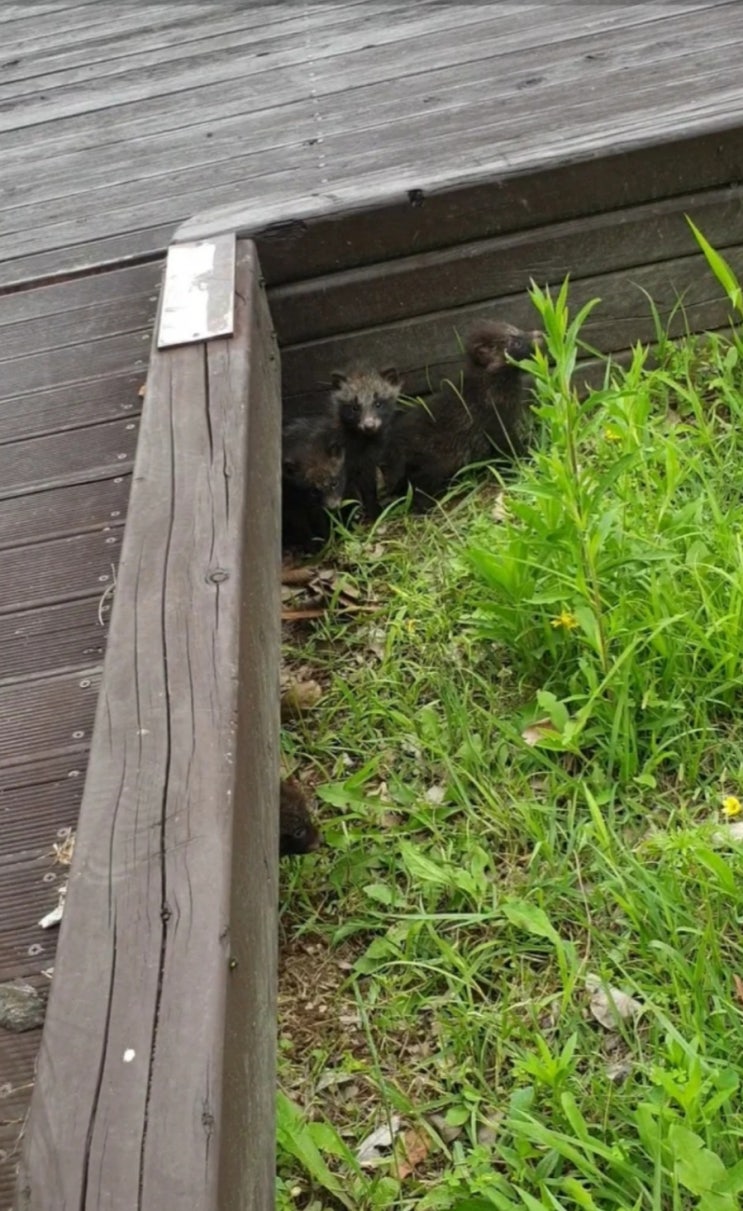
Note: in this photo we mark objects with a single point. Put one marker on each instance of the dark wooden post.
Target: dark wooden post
(156, 1078)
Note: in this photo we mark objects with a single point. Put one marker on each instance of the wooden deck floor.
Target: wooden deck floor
(73, 359)
(120, 122)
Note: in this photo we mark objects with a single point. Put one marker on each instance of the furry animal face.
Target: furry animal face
(365, 399)
(491, 343)
(313, 458)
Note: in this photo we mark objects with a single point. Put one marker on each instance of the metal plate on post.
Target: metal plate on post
(199, 292)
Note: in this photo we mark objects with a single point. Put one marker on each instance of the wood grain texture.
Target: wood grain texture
(177, 842)
(487, 92)
(71, 457)
(397, 290)
(431, 98)
(62, 512)
(48, 716)
(426, 348)
(53, 408)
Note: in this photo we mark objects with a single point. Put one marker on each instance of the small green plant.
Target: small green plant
(721, 269)
(529, 759)
(616, 581)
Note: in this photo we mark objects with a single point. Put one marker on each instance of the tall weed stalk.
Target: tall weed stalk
(615, 585)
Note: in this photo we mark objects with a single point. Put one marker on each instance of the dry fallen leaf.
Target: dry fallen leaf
(142, 390)
(536, 730)
(416, 1146)
(298, 576)
(435, 795)
(368, 1154)
(619, 1070)
(63, 853)
(738, 988)
(610, 1006)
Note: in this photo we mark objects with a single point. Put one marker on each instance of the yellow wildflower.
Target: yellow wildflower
(565, 620)
(611, 435)
(732, 806)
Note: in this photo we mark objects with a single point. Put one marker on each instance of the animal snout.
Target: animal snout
(370, 424)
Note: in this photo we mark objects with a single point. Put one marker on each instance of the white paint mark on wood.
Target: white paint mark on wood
(129, 1055)
(199, 292)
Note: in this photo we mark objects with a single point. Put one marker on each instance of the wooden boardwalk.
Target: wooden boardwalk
(574, 136)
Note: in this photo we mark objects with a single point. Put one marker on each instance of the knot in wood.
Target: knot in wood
(217, 576)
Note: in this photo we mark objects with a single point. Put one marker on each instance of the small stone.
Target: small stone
(21, 1007)
(447, 1131)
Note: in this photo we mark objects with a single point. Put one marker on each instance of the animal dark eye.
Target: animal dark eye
(356, 406)
(377, 403)
(299, 833)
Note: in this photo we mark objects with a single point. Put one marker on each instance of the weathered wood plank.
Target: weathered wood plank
(459, 98)
(39, 804)
(178, 791)
(520, 134)
(64, 569)
(52, 639)
(108, 356)
(486, 269)
(71, 406)
(78, 327)
(350, 61)
(118, 285)
(86, 23)
(61, 512)
(196, 41)
(78, 456)
(389, 28)
(382, 227)
(47, 716)
(163, 42)
(26, 948)
(425, 348)
(47, 771)
(36, 817)
(83, 256)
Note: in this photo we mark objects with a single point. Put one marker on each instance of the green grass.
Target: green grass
(473, 880)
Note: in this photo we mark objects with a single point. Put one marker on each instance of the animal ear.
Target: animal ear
(390, 375)
(338, 378)
(481, 353)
